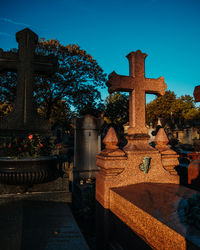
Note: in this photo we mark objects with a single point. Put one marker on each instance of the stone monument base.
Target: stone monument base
(50, 196)
(155, 211)
(57, 190)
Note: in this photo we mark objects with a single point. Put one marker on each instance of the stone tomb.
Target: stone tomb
(139, 183)
(87, 144)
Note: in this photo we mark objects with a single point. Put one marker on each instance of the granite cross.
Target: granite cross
(26, 63)
(137, 85)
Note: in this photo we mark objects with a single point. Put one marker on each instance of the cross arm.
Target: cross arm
(8, 61)
(119, 83)
(155, 86)
(45, 64)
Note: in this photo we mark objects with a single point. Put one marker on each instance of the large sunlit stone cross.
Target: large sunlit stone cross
(137, 85)
(25, 62)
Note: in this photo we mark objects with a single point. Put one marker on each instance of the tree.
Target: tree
(60, 114)
(162, 107)
(96, 110)
(76, 82)
(172, 110)
(117, 109)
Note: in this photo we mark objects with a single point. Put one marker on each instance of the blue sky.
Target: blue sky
(168, 31)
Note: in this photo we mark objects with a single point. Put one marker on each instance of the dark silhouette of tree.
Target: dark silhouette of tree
(77, 81)
(117, 109)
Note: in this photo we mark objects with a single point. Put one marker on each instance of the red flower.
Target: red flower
(41, 145)
(30, 137)
(9, 145)
(20, 149)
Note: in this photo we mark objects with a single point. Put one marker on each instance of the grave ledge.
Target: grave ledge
(54, 196)
(110, 158)
(155, 211)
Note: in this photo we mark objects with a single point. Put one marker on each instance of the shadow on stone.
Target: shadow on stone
(30, 224)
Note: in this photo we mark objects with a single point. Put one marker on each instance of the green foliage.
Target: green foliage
(96, 110)
(77, 80)
(59, 114)
(117, 109)
(169, 108)
(7, 87)
(172, 110)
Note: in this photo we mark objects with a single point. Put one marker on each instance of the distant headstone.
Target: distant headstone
(25, 62)
(87, 145)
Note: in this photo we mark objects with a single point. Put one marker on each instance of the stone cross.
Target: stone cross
(26, 63)
(137, 85)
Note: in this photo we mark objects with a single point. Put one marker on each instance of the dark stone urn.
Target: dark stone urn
(28, 171)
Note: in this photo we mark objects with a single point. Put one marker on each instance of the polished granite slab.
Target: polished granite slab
(155, 211)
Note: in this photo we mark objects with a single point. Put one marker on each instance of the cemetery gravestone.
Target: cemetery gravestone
(25, 62)
(137, 85)
(139, 183)
(87, 145)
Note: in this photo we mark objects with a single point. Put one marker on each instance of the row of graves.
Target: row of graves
(142, 198)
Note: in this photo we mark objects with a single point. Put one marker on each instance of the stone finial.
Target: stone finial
(111, 141)
(169, 157)
(161, 140)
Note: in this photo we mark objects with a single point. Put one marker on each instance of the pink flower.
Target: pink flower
(30, 137)
(9, 145)
(20, 149)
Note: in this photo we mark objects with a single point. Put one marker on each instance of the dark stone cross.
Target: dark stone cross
(137, 85)
(26, 63)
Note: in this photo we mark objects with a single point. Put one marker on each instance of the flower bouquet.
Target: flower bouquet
(32, 145)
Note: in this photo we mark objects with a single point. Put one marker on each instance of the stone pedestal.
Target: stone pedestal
(118, 168)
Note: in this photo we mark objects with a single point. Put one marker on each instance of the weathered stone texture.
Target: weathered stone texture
(25, 62)
(137, 85)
